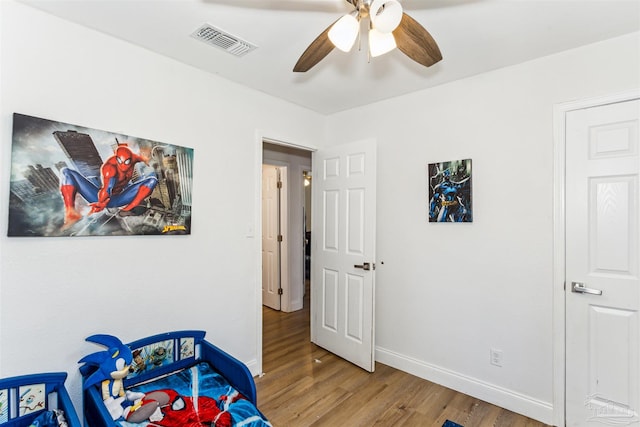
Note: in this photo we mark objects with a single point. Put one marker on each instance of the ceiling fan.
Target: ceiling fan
(389, 27)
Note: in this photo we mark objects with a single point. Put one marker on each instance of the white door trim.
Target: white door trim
(559, 245)
(256, 230)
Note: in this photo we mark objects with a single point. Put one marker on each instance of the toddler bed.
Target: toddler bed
(36, 400)
(175, 379)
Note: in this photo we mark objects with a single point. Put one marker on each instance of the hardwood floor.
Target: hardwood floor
(305, 385)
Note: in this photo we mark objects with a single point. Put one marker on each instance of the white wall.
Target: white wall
(447, 293)
(54, 292)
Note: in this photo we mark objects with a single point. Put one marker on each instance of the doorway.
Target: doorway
(343, 193)
(294, 167)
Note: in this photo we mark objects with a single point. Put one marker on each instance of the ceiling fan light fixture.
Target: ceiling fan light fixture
(344, 32)
(380, 43)
(389, 27)
(385, 15)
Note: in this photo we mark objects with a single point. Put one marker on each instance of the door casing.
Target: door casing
(559, 243)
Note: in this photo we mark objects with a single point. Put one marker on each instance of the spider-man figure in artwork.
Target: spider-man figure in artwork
(115, 190)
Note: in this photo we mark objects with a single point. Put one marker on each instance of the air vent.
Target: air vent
(216, 37)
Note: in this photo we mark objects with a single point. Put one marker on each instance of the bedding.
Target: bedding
(195, 397)
(53, 418)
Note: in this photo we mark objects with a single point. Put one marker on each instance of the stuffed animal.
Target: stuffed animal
(112, 366)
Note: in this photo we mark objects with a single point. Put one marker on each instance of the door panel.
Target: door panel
(330, 300)
(342, 299)
(330, 208)
(613, 209)
(602, 225)
(355, 222)
(355, 290)
(270, 231)
(609, 332)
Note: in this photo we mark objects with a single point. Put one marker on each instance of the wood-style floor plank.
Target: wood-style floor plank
(305, 385)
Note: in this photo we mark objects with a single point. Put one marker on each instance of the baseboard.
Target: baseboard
(499, 396)
(291, 306)
(297, 305)
(253, 367)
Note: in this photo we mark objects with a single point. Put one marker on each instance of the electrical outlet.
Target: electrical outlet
(495, 357)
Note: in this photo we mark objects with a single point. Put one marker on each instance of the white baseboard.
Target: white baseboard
(499, 396)
(297, 305)
(253, 367)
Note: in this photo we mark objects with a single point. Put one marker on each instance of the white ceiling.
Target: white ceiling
(474, 36)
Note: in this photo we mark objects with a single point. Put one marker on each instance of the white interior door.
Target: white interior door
(343, 238)
(602, 260)
(271, 266)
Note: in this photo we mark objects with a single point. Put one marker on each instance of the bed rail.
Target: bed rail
(24, 398)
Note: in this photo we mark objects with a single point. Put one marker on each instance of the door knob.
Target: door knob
(365, 266)
(581, 289)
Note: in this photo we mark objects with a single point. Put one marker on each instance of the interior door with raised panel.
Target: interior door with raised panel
(343, 263)
(271, 259)
(602, 265)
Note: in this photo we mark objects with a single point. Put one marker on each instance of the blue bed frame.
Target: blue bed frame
(235, 372)
(51, 383)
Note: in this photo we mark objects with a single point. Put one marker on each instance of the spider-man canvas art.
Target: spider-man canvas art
(68, 180)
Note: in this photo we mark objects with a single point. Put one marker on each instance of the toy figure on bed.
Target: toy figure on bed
(116, 189)
(112, 366)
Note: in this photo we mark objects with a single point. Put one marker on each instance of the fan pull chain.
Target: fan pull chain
(359, 35)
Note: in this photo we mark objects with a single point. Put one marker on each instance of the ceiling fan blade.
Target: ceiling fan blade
(416, 42)
(315, 53)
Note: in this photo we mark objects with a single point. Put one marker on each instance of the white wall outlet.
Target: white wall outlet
(495, 357)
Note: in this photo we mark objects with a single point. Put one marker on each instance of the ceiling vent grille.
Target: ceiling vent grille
(216, 37)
